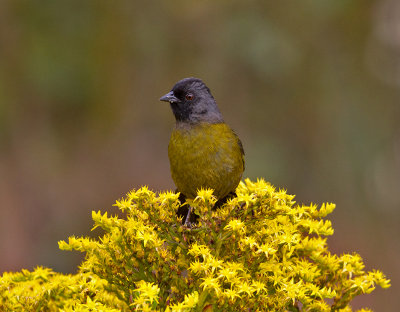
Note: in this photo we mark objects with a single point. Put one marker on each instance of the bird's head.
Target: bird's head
(191, 101)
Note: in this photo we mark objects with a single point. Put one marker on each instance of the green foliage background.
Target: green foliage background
(312, 89)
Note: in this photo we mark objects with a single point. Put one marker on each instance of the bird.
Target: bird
(204, 152)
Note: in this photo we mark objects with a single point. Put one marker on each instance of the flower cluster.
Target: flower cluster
(259, 251)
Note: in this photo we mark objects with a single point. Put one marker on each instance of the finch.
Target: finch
(203, 151)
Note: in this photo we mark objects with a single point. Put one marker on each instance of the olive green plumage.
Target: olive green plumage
(205, 155)
(203, 151)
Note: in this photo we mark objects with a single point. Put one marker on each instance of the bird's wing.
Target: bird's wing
(241, 147)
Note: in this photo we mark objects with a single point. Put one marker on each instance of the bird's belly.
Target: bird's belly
(203, 159)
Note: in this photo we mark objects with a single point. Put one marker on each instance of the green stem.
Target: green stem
(202, 299)
(220, 240)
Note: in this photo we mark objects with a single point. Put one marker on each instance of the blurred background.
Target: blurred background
(312, 89)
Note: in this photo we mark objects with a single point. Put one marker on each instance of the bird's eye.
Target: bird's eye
(189, 96)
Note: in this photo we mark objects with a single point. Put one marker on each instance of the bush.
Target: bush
(258, 252)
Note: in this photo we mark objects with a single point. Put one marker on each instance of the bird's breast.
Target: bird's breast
(205, 155)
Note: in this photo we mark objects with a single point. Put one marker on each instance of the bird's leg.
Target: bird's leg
(187, 219)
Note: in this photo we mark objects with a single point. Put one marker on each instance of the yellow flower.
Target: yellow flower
(205, 195)
(197, 267)
(213, 263)
(228, 273)
(124, 203)
(146, 236)
(199, 250)
(191, 300)
(258, 286)
(250, 241)
(236, 226)
(149, 291)
(234, 266)
(246, 199)
(266, 249)
(244, 287)
(210, 282)
(231, 294)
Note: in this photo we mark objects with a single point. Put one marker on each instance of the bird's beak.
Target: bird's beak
(169, 97)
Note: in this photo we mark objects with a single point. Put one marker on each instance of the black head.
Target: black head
(191, 101)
